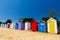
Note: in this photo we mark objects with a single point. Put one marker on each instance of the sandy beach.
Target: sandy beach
(13, 34)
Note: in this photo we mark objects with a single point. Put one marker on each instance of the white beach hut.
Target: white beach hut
(27, 25)
(52, 25)
(12, 25)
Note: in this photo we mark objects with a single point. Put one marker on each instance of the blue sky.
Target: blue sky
(14, 9)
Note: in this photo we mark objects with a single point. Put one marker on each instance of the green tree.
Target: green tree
(28, 19)
(0, 22)
(9, 21)
(52, 13)
(45, 19)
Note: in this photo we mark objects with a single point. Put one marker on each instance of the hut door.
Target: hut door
(52, 26)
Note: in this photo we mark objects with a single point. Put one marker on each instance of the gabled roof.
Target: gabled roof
(51, 18)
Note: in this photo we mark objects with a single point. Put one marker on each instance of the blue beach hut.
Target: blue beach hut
(16, 26)
(42, 26)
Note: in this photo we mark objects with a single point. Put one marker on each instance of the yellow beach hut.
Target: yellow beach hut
(52, 25)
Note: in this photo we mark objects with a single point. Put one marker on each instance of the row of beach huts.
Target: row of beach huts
(50, 26)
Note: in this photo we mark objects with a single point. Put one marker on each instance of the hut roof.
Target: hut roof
(54, 18)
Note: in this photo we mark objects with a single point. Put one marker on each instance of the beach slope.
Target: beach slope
(13, 34)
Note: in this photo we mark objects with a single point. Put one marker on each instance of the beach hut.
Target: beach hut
(52, 25)
(5, 25)
(58, 26)
(42, 26)
(16, 26)
(12, 25)
(34, 25)
(8, 25)
(27, 22)
(27, 25)
(2, 25)
(21, 26)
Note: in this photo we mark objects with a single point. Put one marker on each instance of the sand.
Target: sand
(13, 34)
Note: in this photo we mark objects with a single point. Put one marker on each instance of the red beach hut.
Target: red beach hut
(8, 25)
(34, 25)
